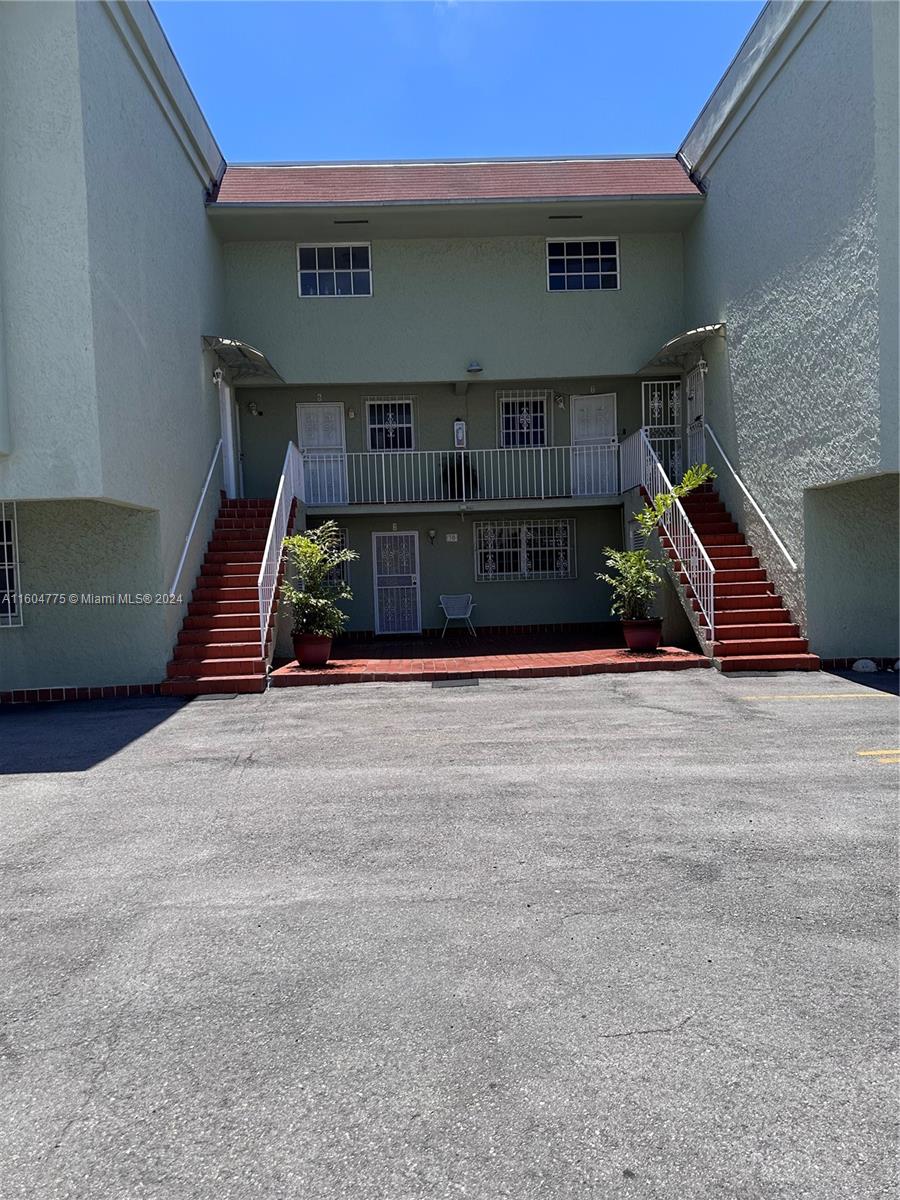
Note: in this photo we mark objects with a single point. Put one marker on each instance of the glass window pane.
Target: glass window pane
(607, 247)
(325, 256)
(555, 249)
(343, 283)
(574, 283)
(591, 248)
(557, 266)
(361, 285)
(609, 281)
(360, 257)
(308, 285)
(342, 258)
(607, 264)
(557, 283)
(326, 283)
(591, 283)
(592, 264)
(573, 248)
(307, 258)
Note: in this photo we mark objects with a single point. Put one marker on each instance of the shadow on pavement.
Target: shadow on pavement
(880, 681)
(43, 738)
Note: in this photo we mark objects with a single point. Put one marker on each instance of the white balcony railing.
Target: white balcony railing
(463, 476)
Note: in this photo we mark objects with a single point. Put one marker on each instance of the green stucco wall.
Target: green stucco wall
(264, 436)
(852, 567)
(789, 250)
(83, 546)
(437, 304)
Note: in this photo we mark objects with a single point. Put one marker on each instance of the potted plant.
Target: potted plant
(315, 559)
(636, 575)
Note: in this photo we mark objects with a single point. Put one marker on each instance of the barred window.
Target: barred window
(390, 422)
(341, 573)
(524, 418)
(583, 266)
(10, 609)
(539, 549)
(342, 269)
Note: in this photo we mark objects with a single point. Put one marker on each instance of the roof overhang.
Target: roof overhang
(459, 218)
(677, 349)
(242, 360)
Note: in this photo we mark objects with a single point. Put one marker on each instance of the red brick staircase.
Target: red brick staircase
(753, 631)
(218, 647)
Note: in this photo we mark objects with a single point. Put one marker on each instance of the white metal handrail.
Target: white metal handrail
(197, 511)
(430, 476)
(759, 512)
(641, 466)
(290, 488)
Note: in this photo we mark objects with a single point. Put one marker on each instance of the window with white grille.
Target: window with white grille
(390, 422)
(524, 418)
(583, 266)
(341, 573)
(539, 549)
(10, 608)
(336, 269)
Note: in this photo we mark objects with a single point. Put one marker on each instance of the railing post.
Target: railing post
(462, 474)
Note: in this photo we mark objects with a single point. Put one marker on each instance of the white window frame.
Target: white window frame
(336, 246)
(10, 568)
(370, 402)
(584, 291)
(519, 527)
(525, 396)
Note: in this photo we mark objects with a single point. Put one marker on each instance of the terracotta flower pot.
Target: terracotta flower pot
(311, 649)
(642, 635)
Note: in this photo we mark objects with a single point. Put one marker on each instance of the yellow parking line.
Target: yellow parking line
(828, 695)
(889, 761)
(876, 753)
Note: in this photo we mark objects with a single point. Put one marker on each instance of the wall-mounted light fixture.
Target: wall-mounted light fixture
(432, 534)
(474, 367)
(351, 414)
(254, 409)
(218, 376)
(702, 365)
(560, 400)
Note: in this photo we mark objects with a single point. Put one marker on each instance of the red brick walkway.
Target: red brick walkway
(524, 657)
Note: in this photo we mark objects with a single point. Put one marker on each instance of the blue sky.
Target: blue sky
(348, 80)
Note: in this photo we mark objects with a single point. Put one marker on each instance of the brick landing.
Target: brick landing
(426, 660)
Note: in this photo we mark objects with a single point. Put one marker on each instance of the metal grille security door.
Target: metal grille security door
(696, 437)
(395, 558)
(662, 419)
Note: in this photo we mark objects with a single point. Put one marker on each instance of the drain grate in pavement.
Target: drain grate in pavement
(439, 683)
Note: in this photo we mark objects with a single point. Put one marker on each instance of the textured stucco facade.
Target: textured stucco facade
(106, 291)
(439, 303)
(792, 251)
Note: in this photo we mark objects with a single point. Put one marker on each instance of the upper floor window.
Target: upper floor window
(10, 608)
(524, 418)
(583, 266)
(389, 420)
(342, 269)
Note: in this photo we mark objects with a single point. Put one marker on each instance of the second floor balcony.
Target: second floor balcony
(337, 479)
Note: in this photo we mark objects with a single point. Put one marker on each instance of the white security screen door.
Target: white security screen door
(594, 445)
(696, 438)
(661, 410)
(321, 431)
(395, 558)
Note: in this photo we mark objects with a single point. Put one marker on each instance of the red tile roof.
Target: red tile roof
(411, 183)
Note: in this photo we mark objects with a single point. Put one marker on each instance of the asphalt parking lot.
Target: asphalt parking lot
(620, 936)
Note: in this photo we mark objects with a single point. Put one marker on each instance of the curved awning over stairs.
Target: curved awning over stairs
(242, 360)
(676, 350)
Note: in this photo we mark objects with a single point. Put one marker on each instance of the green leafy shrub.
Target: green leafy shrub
(636, 575)
(315, 558)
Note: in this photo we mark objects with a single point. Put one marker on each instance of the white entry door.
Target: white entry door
(594, 446)
(321, 432)
(696, 438)
(395, 558)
